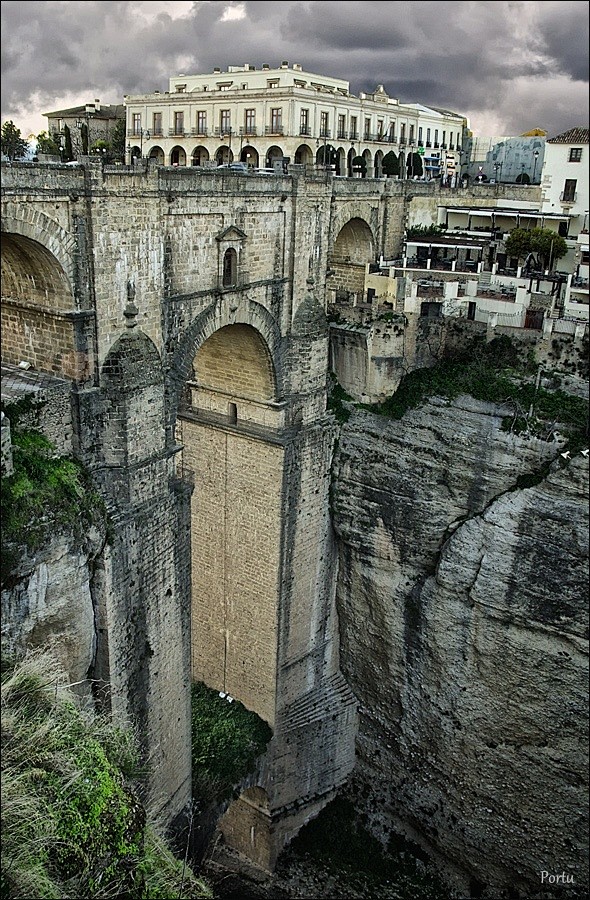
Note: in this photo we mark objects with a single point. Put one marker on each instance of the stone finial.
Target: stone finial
(130, 312)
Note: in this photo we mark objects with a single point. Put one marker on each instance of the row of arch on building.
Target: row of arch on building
(341, 158)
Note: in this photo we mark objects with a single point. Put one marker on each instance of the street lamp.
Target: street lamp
(141, 134)
(535, 158)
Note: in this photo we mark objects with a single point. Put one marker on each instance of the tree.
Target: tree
(68, 154)
(84, 138)
(46, 144)
(546, 244)
(329, 152)
(390, 164)
(118, 141)
(13, 144)
(414, 165)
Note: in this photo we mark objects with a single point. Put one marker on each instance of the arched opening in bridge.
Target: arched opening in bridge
(38, 315)
(228, 438)
(230, 268)
(353, 249)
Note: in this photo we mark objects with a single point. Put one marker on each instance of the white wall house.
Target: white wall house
(262, 116)
(565, 181)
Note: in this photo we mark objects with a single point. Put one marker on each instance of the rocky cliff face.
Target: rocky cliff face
(48, 603)
(463, 616)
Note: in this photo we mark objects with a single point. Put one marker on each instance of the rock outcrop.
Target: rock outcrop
(48, 603)
(463, 614)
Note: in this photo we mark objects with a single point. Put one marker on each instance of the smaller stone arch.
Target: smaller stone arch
(379, 164)
(303, 155)
(199, 156)
(224, 155)
(178, 156)
(132, 381)
(273, 154)
(157, 154)
(249, 155)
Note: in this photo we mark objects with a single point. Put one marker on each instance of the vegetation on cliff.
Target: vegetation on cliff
(495, 373)
(226, 740)
(44, 494)
(73, 824)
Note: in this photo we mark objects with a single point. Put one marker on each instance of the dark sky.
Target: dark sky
(508, 66)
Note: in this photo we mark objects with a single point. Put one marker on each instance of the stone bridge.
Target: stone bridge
(187, 309)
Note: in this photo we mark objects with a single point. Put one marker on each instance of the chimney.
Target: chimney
(97, 105)
(216, 70)
(297, 67)
(284, 64)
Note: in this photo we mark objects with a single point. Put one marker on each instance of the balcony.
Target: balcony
(223, 131)
(568, 198)
(249, 131)
(325, 133)
(428, 144)
(341, 136)
(305, 130)
(353, 136)
(173, 132)
(277, 128)
(200, 132)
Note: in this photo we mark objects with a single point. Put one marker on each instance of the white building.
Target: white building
(565, 181)
(267, 116)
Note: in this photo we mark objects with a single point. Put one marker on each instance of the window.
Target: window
(201, 122)
(569, 190)
(178, 123)
(444, 138)
(402, 133)
(230, 268)
(411, 134)
(136, 123)
(379, 128)
(436, 137)
(576, 154)
(180, 88)
(420, 134)
(276, 121)
(324, 125)
(304, 121)
(428, 137)
(392, 132)
(157, 123)
(274, 83)
(353, 128)
(341, 127)
(367, 129)
(225, 121)
(250, 121)
(225, 87)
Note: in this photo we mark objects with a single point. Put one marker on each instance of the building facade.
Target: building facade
(266, 116)
(97, 119)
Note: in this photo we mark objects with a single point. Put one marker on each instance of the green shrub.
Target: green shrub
(226, 740)
(72, 821)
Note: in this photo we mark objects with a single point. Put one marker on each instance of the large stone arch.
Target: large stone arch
(217, 315)
(30, 222)
(39, 321)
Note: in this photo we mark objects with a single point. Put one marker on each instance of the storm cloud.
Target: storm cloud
(508, 66)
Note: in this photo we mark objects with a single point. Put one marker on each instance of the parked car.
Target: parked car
(239, 167)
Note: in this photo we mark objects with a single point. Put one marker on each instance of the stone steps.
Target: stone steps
(318, 704)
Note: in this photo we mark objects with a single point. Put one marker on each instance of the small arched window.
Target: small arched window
(230, 268)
